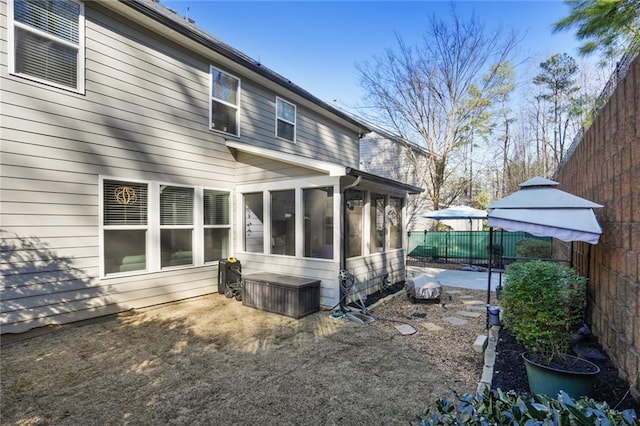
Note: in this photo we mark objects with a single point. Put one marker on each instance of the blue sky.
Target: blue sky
(316, 44)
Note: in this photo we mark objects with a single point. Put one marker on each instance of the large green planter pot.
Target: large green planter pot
(576, 379)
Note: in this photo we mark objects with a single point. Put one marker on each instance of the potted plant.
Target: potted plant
(543, 304)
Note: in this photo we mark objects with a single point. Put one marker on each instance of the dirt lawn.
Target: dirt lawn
(211, 360)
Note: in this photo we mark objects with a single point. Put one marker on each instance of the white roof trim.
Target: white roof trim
(331, 168)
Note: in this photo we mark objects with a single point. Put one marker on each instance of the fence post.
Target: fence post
(424, 245)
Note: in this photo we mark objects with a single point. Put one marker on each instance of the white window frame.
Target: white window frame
(213, 98)
(298, 186)
(293, 123)
(200, 217)
(153, 227)
(102, 227)
(12, 24)
(191, 227)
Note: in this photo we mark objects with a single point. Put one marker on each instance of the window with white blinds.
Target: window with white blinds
(217, 227)
(149, 226)
(225, 102)
(176, 226)
(125, 226)
(47, 41)
(125, 203)
(176, 205)
(216, 207)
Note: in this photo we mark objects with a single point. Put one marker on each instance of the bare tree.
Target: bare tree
(423, 93)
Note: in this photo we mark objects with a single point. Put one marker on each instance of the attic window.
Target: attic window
(46, 42)
(225, 102)
(285, 120)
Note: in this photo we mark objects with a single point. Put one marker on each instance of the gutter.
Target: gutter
(383, 180)
(162, 15)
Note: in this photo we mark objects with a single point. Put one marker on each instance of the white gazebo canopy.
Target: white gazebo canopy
(456, 212)
(541, 209)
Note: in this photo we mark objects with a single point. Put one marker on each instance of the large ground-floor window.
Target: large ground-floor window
(289, 220)
(149, 226)
(217, 225)
(395, 222)
(254, 222)
(302, 219)
(318, 222)
(383, 224)
(283, 222)
(376, 223)
(176, 225)
(355, 222)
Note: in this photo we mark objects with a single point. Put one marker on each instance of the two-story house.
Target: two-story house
(138, 150)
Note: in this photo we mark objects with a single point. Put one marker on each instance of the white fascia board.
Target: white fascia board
(309, 163)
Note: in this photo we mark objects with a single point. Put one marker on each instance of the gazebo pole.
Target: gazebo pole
(490, 266)
(470, 241)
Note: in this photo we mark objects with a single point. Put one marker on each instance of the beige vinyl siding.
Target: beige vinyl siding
(328, 144)
(315, 137)
(370, 269)
(145, 115)
(78, 301)
(251, 168)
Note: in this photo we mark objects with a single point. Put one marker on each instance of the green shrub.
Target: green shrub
(495, 407)
(534, 249)
(543, 302)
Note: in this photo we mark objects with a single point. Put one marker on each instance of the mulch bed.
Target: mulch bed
(510, 374)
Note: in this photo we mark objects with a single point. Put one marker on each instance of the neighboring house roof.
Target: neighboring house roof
(187, 28)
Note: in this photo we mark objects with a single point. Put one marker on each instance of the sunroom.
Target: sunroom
(312, 219)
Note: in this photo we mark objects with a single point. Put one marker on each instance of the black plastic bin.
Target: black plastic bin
(230, 278)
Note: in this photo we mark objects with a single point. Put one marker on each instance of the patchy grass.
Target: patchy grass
(210, 360)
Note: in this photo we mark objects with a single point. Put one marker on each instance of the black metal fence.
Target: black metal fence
(467, 247)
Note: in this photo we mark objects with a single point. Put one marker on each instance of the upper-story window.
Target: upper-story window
(225, 102)
(46, 41)
(285, 120)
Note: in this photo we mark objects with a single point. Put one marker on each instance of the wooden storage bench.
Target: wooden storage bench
(281, 294)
